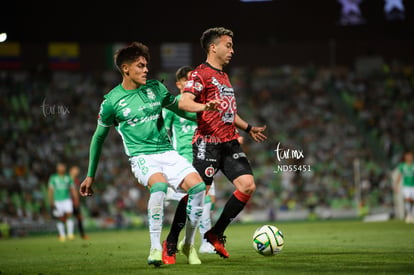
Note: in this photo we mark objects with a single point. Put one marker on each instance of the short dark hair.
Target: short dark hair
(210, 35)
(182, 72)
(130, 53)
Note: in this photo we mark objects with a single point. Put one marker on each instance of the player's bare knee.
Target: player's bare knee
(245, 184)
(249, 188)
(191, 180)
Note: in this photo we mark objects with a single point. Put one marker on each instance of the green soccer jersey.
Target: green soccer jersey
(181, 132)
(61, 186)
(137, 116)
(407, 172)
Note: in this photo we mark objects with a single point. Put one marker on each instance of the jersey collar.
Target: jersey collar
(208, 64)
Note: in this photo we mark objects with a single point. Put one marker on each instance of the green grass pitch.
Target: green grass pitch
(324, 247)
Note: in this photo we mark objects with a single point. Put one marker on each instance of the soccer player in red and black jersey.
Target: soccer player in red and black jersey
(215, 144)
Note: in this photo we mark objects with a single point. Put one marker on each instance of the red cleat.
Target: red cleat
(168, 252)
(218, 242)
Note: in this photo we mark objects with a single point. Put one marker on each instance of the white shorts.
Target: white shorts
(174, 167)
(63, 207)
(174, 196)
(408, 192)
(177, 196)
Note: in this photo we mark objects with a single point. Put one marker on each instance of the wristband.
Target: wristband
(249, 127)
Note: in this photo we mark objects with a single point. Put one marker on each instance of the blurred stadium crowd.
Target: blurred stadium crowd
(335, 117)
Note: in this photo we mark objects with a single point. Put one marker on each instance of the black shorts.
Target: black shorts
(228, 157)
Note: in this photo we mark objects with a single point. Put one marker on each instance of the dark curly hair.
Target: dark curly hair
(130, 53)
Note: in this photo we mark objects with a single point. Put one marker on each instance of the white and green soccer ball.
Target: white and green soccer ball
(268, 240)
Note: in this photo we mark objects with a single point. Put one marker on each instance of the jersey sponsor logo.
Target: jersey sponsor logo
(198, 86)
(190, 84)
(185, 128)
(155, 104)
(150, 94)
(209, 171)
(223, 89)
(135, 121)
(132, 122)
(201, 150)
(122, 103)
(228, 105)
(149, 118)
(126, 111)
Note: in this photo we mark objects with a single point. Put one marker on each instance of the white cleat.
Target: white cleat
(409, 219)
(206, 248)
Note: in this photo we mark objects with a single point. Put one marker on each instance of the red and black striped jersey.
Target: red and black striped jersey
(208, 83)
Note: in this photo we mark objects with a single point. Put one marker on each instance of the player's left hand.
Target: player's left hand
(240, 139)
(256, 133)
(53, 211)
(86, 187)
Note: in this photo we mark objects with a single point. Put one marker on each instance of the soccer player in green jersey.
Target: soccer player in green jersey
(61, 193)
(406, 178)
(134, 107)
(181, 133)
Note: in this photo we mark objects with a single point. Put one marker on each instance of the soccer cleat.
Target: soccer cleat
(218, 242)
(85, 237)
(155, 257)
(190, 252)
(409, 219)
(168, 252)
(62, 239)
(206, 248)
(180, 246)
(71, 237)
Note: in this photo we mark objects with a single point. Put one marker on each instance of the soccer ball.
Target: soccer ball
(268, 240)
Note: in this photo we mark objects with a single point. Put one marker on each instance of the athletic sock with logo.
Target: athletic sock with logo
(156, 212)
(205, 221)
(194, 209)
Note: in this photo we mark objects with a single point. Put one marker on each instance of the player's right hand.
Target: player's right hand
(85, 188)
(213, 105)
